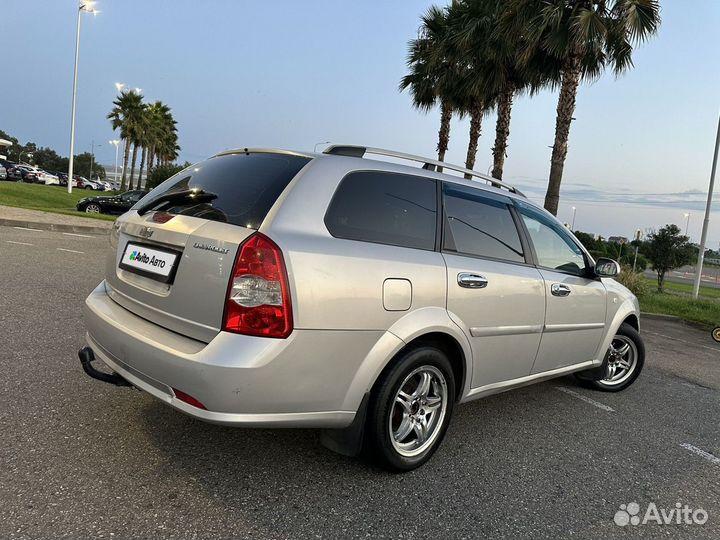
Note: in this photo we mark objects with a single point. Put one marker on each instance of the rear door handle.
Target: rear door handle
(559, 289)
(471, 281)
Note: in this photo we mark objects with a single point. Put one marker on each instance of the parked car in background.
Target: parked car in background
(105, 185)
(268, 288)
(13, 173)
(7, 167)
(79, 182)
(115, 204)
(28, 173)
(48, 179)
(62, 176)
(84, 183)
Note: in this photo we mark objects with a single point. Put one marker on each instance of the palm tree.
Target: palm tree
(161, 124)
(432, 77)
(584, 37)
(470, 25)
(125, 116)
(497, 74)
(136, 139)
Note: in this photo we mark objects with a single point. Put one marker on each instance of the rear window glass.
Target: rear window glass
(237, 188)
(385, 208)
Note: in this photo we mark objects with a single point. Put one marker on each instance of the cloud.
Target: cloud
(692, 199)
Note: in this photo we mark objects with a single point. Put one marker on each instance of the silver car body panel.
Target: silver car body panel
(355, 306)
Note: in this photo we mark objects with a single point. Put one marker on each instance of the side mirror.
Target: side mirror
(606, 267)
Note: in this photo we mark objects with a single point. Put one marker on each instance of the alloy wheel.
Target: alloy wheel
(622, 360)
(418, 411)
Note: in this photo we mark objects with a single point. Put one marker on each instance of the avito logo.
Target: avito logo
(144, 259)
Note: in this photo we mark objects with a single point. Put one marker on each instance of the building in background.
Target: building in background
(4, 145)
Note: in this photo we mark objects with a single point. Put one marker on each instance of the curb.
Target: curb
(58, 227)
(675, 318)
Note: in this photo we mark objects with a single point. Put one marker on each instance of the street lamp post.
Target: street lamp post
(687, 222)
(116, 144)
(28, 154)
(83, 6)
(572, 227)
(706, 221)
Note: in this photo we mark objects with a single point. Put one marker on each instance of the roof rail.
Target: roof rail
(428, 164)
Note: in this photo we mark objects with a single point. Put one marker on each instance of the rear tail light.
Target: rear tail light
(258, 299)
(161, 217)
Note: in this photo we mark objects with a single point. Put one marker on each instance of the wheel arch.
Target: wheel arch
(628, 312)
(452, 349)
(431, 326)
(633, 321)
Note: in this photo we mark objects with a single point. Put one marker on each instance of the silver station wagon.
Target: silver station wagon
(366, 297)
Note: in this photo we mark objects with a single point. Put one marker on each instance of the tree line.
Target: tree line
(149, 127)
(476, 56)
(49, 160)
(663, 250)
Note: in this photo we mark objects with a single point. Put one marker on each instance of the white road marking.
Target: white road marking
(76, 234)
(18, 243)
(27, 229)
(586, 399)
(681, 340)
(702, 453)
(71, 251)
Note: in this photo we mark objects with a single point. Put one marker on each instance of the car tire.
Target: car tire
(93, 208)
(625, 360)
(410, 409)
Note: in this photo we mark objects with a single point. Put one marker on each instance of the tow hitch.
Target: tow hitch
(87, 357)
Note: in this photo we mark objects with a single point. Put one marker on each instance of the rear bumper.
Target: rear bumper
(301, 381)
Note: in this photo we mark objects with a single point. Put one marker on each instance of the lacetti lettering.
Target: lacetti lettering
(208, 247)
(141, 257)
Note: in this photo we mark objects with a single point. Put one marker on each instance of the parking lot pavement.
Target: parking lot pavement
(82, 459)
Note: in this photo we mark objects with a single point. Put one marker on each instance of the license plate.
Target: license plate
(149, 261)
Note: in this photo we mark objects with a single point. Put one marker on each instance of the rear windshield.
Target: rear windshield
(237, 188)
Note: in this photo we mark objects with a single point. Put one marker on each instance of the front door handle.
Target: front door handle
(559, 289)
(471, 281)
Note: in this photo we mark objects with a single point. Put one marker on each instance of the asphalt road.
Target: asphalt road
(686, 274)
(82, 459)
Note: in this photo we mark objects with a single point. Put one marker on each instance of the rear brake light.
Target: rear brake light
(161, 217)
(258, 299)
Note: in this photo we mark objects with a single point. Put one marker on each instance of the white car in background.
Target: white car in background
(49, 179)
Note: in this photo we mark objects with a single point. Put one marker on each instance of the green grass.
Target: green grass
(686, 289)
(47, 198)
(703, 311)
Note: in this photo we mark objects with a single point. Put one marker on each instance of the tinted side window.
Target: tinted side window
(554, 249)
(385, 208)
(239, 188)
(479, 224)
(133, 196)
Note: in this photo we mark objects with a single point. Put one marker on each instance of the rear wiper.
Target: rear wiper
(193, 195)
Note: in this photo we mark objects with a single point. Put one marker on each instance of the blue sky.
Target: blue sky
(291, 74)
